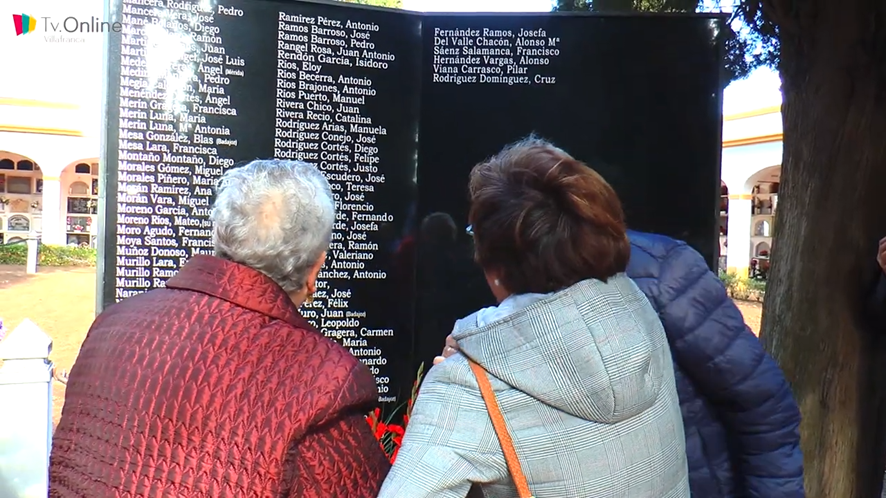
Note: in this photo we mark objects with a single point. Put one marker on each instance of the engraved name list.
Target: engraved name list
(494, 56)
(325, 71)
(173, 136)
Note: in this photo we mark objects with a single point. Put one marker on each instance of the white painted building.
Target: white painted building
(750, 174)
(50, 112)
(48, 182)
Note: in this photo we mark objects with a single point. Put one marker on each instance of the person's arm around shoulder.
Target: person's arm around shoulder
(339, 457)
(726, 362)
(449, 442)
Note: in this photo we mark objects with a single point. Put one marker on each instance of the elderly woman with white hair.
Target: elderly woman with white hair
(216, 386)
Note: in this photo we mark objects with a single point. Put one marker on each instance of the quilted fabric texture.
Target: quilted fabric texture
(214, 387)
(739, 415)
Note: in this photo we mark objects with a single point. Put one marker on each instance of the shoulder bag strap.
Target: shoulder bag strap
(501, 430)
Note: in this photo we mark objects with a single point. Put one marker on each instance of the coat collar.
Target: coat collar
(237, 284)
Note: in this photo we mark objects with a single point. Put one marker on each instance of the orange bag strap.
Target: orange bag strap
(501, 430)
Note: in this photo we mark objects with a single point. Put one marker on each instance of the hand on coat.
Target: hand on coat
(451, 348)
(881, 255)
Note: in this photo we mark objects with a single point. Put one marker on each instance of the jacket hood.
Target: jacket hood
(591, 350)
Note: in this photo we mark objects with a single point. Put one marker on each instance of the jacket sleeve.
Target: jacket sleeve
(339, 456)
(449, 443)
(342, 459)
(726, 362)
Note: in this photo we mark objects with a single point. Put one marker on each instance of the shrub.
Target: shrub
(757, 289)
(743, 288)
(17, 254)
(741, 291)
(730, 281)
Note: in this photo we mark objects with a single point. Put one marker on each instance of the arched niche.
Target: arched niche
(770, 174)
(18, 223)
(82, 166)
(17, 173)
(78, 188)
(762, 250)
(763, 228)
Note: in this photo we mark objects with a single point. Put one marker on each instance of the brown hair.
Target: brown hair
(545, 220)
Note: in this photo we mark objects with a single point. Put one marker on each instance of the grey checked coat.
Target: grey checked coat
(585, 380)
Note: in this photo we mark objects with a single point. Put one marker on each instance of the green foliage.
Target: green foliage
(393, 4)
(761, 31)
(730, 280)
(743, 288)
(736, 286)
(66, 256)
(757, 289)
(17, 254)
(738, 45)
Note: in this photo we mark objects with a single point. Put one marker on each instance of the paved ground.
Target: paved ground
(62, 302)
(11, 275)
(752, 312)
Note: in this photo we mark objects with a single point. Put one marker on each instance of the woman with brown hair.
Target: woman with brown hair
(566, 388)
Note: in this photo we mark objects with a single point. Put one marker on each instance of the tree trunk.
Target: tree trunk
(831, 212)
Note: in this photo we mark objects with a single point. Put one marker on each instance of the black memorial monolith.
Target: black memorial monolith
(395, 107)
(637, 98)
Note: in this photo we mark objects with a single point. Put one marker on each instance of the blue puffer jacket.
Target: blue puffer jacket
(741, 420)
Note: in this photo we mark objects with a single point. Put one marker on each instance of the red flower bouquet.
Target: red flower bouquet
(390, 435)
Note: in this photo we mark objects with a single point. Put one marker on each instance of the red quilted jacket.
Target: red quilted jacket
(214, 387)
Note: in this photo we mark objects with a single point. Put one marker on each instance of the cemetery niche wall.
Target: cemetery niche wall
(394, 107)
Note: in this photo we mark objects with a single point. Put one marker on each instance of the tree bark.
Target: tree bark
(832, 211)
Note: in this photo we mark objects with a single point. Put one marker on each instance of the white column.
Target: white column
(26, 421)
(738, 237)
(53, 212)
(31, 262)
